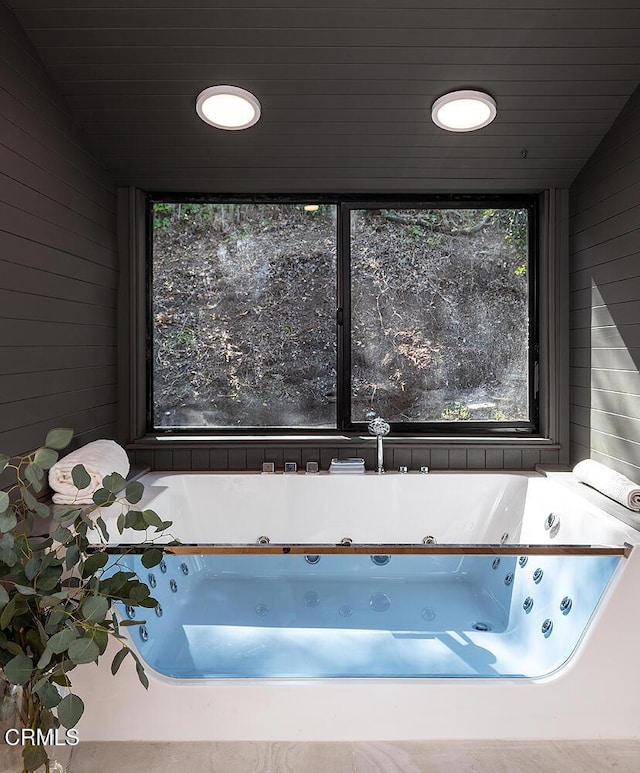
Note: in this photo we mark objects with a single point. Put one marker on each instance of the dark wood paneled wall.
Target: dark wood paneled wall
(58, 261)
(605, 300)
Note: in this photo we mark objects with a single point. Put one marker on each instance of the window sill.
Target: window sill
(339, 440)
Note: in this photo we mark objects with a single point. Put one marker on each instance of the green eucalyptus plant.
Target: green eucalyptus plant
(57, 590)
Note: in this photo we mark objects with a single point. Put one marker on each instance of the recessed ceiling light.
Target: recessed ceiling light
(228, 107)
(463, 111)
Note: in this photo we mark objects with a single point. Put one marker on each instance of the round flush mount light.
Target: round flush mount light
(463, 111)
(228, 107)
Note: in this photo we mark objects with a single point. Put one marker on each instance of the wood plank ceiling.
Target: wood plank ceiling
(346, 88)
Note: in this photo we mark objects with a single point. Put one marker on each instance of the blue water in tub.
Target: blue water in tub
(283, 616)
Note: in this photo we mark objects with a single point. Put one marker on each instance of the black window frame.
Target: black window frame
(344, 205)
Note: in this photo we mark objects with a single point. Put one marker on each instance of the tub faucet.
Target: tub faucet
(379, 427)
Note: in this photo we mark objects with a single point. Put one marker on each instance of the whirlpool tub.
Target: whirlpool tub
(319, 607)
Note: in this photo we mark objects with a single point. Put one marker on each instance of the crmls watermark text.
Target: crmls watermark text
(25, 735)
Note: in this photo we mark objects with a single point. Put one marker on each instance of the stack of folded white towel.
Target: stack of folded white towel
(100, 458)
(609, 482)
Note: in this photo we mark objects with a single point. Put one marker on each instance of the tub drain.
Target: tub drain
(481, 626)
(380, 560)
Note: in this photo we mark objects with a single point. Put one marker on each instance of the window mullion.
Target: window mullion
(343, 319)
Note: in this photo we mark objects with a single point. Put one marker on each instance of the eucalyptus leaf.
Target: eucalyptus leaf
(134, 519)
(118, 658)
(114, 483)
(102, 526)
(134, 492)
(101, 638)
(42, 510)
(103, 498)
(8, 520)
(65, 513)
(139, 592)
(4, 501)
(152, 519)
(95, 608)
(60, 641)
(72, 556)
(151, 557)
(70, 710)
(54, 619)
(141, 675)
(26, 590)
(148, 603)
(49, 695)
(46, 457)
(34, 757)
(31, 568)
(48, 580)
(30, 501)
(45, 658)
(83, 650)
(36, 469)
(4, 461)
(80, 477)
(4, 596)
(18, 669)
(6, 616)
(61, 534)
(59, 438)
(93, 563)
(49, 601)
(8, 556)
(30, 475)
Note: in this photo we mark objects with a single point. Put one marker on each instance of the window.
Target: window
(272, 314)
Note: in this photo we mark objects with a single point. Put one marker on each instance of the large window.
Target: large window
(273, 315)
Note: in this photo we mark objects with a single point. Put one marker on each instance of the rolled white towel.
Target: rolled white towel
(100, 458)
(609, 482)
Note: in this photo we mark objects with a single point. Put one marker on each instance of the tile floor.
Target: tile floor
(370, 757)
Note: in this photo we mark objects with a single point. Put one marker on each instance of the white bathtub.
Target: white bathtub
(593, 695)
